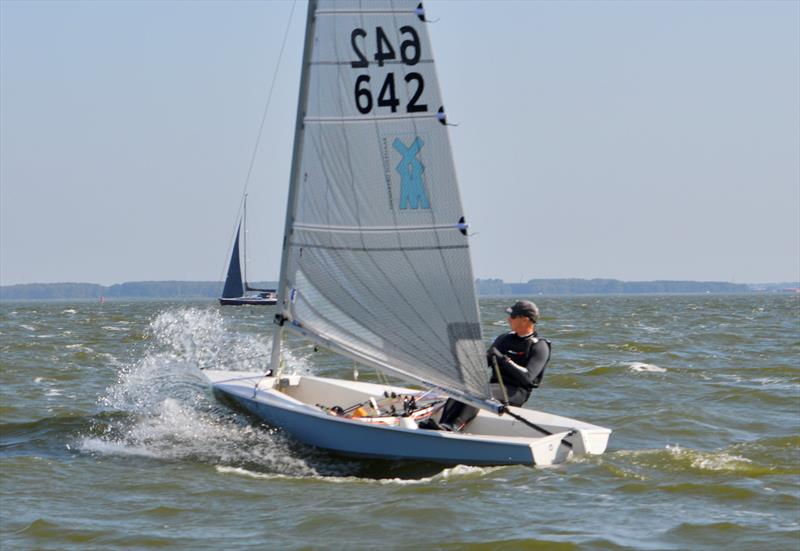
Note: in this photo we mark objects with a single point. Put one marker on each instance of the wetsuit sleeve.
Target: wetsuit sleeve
(526, 376)
(514, 374)
(540, 354)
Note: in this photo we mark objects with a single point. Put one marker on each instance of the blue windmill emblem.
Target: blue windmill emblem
(410, 168)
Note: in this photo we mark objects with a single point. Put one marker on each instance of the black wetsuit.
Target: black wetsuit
(521, 361)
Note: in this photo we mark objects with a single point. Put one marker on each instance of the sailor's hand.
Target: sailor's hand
(494, 355)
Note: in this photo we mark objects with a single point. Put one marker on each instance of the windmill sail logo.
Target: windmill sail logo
(410, 168)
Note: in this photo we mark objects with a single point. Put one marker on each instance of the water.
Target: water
(111, 439)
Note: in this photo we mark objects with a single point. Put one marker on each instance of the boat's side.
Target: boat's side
(585, 438)
(314, 426)
(372, 440)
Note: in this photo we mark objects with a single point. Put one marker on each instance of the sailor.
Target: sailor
(519, 356)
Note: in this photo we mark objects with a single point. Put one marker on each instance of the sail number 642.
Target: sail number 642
(410, 51)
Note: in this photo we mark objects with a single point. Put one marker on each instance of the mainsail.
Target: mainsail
(376, 261)
(233, 281)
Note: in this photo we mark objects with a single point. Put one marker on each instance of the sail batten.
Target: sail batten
(350, 229)
(368, 120)
(371, 263)
(388, 62)
(364, 12)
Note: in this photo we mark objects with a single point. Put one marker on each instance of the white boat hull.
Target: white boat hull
(293, 404)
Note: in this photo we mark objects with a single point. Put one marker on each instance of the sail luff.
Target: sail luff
(291, 202)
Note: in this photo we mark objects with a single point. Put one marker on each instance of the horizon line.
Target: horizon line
(774, 282)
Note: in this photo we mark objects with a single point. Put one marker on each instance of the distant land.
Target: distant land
(485, 287)
(131, 289)
(497, 287)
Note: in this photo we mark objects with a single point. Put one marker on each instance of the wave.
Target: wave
(711, 461)
(54, 434)
(80, 347)
(644, 348)
(634, 367)
(602, 370)
(112, 328)
(648, 368)
(739, 392)
(729, 492)
(42, 529)
(458, 472)
(744, 460)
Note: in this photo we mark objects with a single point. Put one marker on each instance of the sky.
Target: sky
(631, 140)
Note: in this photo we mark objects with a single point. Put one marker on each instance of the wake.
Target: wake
(170, 412)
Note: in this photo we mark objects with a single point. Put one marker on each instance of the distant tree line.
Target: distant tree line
(497, 287)
(132, 289)
(485, 287)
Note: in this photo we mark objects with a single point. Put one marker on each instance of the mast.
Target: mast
(283, 308)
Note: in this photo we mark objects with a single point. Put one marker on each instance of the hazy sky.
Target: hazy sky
(631, 140)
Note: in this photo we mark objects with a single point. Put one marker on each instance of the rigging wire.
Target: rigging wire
(260, 130)
(269, 98)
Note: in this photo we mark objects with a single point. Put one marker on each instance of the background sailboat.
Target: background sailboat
(237, 291)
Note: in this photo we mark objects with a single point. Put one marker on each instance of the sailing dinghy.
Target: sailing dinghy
(376, 264)
(237, 290)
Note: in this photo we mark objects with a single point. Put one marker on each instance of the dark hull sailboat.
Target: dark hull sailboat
(255, 300)
(236, 291)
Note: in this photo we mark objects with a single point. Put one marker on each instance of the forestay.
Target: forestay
(376, 260)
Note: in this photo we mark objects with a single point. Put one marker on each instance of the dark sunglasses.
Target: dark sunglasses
(515, 316)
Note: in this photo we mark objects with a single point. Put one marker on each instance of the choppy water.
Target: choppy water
(111, 439)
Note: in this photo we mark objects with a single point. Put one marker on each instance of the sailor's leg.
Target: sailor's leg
(516, 395)
(455, 415)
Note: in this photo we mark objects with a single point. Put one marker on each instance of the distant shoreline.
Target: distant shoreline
(484, 287)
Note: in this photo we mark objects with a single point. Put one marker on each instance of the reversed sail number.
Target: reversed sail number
(410, 51)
